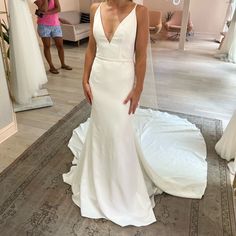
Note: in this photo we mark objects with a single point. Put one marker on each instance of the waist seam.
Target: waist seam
(114, 60)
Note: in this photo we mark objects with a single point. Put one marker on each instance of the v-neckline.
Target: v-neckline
(114, 33)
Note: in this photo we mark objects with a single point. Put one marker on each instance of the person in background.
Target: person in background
(49, 27)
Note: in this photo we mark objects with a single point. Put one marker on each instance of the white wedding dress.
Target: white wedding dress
(226, 146)
(28, 73)
(121, 161)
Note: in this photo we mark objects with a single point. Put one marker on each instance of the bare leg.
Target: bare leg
(60, 49)
(47, 54)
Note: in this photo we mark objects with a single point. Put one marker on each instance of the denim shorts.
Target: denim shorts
(48, 31)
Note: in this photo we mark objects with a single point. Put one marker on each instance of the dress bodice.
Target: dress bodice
(121, 45)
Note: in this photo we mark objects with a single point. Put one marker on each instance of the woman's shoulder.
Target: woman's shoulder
(141, 12)
(94, 6)
(142, 9)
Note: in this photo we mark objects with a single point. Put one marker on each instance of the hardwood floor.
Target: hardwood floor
(192, 82)
(66, 92)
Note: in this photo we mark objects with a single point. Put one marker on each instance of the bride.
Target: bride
(123, 160)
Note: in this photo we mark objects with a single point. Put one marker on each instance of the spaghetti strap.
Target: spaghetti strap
(98, 9)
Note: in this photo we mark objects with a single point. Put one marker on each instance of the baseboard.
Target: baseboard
(206, 35)
(9, 130)
(42, 99)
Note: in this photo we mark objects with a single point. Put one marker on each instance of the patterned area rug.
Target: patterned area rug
(35, 201)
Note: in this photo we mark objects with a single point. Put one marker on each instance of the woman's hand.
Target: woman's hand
(87, 91)
(133, 97)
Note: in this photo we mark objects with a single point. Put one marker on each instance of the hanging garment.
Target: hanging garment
(227, 51)
(226, 146)
(27, 68)
(229, 14)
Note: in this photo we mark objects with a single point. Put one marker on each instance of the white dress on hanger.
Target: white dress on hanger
(226, 146)
(121, 161)
(229, 14)
(27, 68)
(228, 50)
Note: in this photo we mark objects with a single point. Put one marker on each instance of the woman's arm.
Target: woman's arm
(42, 5)
(38, 3)
(140, 57)
(90, 55)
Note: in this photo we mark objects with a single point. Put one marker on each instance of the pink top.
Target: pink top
(53, 19)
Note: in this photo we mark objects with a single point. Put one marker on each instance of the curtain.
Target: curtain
(27, 68)
(149, 93)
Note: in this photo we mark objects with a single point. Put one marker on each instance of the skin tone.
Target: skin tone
(113, 12)
(43, 7)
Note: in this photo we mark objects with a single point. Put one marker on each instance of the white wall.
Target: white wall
(207, 15)
(5, 103)
(85, 5)
(162, 5)
(68, 5)
(7, 117)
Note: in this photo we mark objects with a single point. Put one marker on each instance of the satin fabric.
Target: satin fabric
(122, 161)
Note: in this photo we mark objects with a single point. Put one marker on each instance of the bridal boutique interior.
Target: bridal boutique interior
(193, 76)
